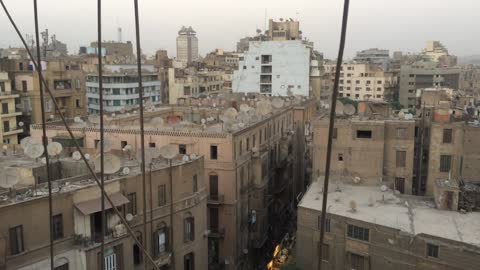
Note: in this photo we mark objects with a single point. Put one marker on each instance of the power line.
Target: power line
(330, 129)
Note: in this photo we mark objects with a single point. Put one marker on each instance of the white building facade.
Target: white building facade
(120, 86)
(274, 68)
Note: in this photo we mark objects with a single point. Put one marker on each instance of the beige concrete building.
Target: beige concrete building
(187, 83)
(284, 30)
(8, 117)
(24, 232)
(248, 168)
(364, 82)
(367, 228)
(187, 45)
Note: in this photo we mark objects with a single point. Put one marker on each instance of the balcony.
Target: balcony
(217, 232)
(12, 113)
(8, 95)
(216, 199)
(12, 131)
(164, 259)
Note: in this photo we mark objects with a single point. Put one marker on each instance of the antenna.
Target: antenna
(112, 163)
(34, 150)
(168, 151)
(119, 29)
(54, 149)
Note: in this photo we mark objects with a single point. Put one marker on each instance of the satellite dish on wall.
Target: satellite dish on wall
(168, 151)
(129, 217)
(76, 155)
(26, 142)
(87, 156)
(21, 124)
(349, 109)
(126, 171)
(34, 150)
(54, 148)
(185, 158)
(112, 163)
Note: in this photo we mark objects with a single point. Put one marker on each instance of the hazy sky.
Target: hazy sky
(396, 25)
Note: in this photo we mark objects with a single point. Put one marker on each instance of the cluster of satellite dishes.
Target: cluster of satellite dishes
(34, 149)
(344, 109)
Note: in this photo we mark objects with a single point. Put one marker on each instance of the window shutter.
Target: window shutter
(156, 248)
(192, 237)
(167, 239)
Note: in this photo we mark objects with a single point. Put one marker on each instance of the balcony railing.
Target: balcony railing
(216, 198)
(217, 232)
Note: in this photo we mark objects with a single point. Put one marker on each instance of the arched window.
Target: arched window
(160, 240)
(189, 227)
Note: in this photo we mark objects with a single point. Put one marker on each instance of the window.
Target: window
(447, 135)
(137, 253)
(240, 148)
(4, 108)
(325, 252)
(160, 241)
(152, 145)
(432, 250)
(132, 205)
(189, 261)
(162, 198)
(253, 141)
(400, 184)
(2, 86)
(364, 134)
(358, 232)
(77, 103)
(340, 156)
(16, 240)
(123, 144)
(116, 103)
(401, 133)
(189, 229)
(62, 267)
(195, 183)
(357, 262)
(327, 223)
(182, 149)
(401, 159)
(57, 221)
(445, 163)
(213, 152)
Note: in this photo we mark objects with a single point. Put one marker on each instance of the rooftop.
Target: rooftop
(409, 214)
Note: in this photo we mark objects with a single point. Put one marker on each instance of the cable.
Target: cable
(330, 128)
(76, 145)
(102, 133)
(44, 138)
(142, 129)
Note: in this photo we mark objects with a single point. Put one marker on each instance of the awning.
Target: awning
(93, 206)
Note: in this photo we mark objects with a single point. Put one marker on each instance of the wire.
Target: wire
(44, 138)
(75, 142)
(102, 133)
(331, 126)
(142, 129)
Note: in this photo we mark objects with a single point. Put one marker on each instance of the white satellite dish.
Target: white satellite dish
(408, 116)
(21, 124)
(278, 103)
(34, 150)
(77, 119)
(128, 148)
(107, 145)
(185, 158)
(168, 151)
(401, 115)
(43, 160)
(339, 108)
(129, 217)
(26, 142)
(8, 178)
(230, 113)
(76, 155)
(150, 154)
(87, 156)
(349, 109)
(126, 171)
(384, 188)
(203, 121)
(112, 163)
(54, 148)
(244, 107)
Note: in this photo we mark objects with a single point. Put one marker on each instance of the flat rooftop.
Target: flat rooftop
(409, 214)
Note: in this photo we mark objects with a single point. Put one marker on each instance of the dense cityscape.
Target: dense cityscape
(227, 169)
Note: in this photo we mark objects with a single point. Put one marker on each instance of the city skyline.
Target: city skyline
(387, 24)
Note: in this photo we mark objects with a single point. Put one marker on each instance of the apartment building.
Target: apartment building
(8, 117)
(364, 81)
(274, 68)
(376, 56)
(424, 75)
(190, 82)
(367, 228)
(76, 218)
(187, 45)
(287, 29)
(65, 79)
(120, 84)
(248, 167)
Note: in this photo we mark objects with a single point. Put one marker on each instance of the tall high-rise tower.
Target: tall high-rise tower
(187, 45)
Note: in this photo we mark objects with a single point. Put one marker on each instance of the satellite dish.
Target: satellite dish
(230, 113)
(54, 148)
(8, 178)
(112, 163)
(150, 154)
(185, 158)
(408, 116)
(168, 151)
(278, 103)
(126, 171)
(26, 142)
(157, 121)
(87, 156)
(34, 150)
(384, 188)
(349, 109)
(339, 108)
(76, 155)
(21, 124)
(401, 115)
(128, 148)
(107, 145)
(243, 117)
(203, 121)
(77, 119)
(43, 160)
(244, 107)
(129, 217)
